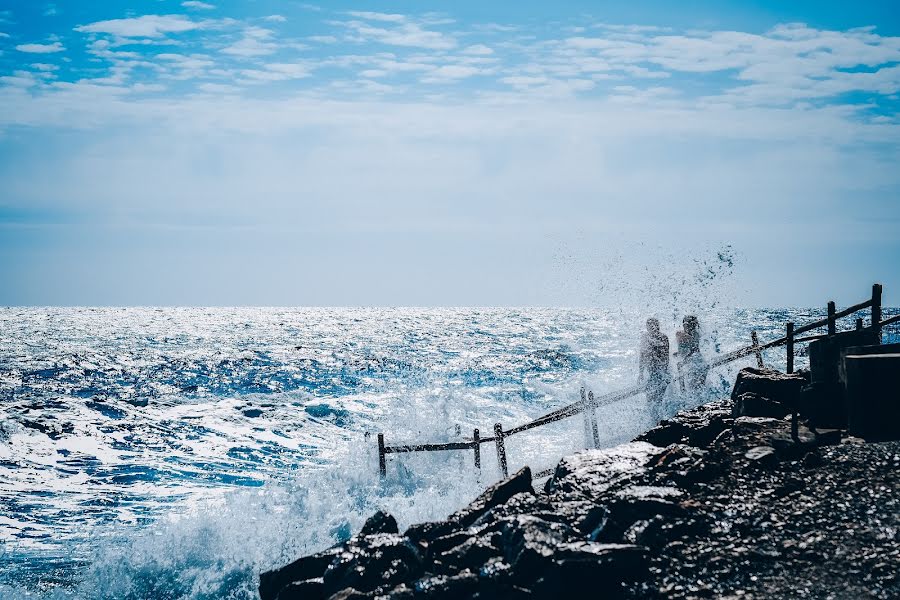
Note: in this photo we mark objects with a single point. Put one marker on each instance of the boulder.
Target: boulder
(368, 562)
(751, 404)
(596, 474)
(780, 388)
(271, 583)
(696, 427)
(380, 522)
(309, 589)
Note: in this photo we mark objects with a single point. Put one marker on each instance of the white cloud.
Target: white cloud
(41, 48)
(450, 73)
(255, 42)
(377, 16)
(51, 10)
(275, 18)
(218, 88)
(198, 5)
(3, 35)
(478, 50)
(397, 31)
(152, 26)
(44, 67)
(323, 39)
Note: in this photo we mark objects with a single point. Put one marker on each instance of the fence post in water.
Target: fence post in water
(790, 347)
(832, 324)
(382, 464)
(876, 310)
(476, 439)
(585, 417)
(755, 341)
(594, 432)
(501, 449)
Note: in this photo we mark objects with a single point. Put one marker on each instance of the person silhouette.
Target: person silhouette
(654, 360)
(692, 363)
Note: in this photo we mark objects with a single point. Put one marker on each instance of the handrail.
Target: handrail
(588, 404)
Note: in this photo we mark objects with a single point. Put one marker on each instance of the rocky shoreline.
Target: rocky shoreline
(718, 502)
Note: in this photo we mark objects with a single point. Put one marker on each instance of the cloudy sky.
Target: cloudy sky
(446, 153)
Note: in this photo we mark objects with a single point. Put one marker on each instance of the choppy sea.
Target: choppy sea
(175, 453)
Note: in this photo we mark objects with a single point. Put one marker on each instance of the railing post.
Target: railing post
(859, 323)
(382, 463)
(501, 449)
(790, 347)
(594, 431)
(755, 341)
(832, 324)
(876, 310)
(585, 417)
(476, 440)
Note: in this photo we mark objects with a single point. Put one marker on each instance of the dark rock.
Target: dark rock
(462, 585)
(686, 465)
(368, 562)
(762, 455)
(635, 504)
(348, 594)
(473, 553)
(781, 388)
(592, 569)
(828, 437)
(596, 474)
(697, 427)
(530, 543)
(494, 496)
(310, 589)
(428, 531)
(751, 404)
(252, 412)
(380, 522)
(302, 569)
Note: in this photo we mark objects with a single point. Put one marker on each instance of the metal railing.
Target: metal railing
(588, 403)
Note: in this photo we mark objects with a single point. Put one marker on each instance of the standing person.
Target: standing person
(688, 340)
(655, 361)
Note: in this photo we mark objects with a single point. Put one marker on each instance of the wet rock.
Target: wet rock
(472, 553)
(687, 465)
(461, 585)
(494, 496)
(309, 589)
(368, 562)
(638, 503)
(697, 427)
(348, 594)
(595, 569)
(595, 474)
(306, 568)
(380, 522)
(761, 456)
(252, 412)
(780, 388)
(751, 404)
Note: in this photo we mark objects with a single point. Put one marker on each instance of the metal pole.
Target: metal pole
(790, 347)
(501, 449)
(832, 325)
(585, 418)
(755, 341)
(382, 463)
(594, 431)
(876, 310)
(859, 323)
(476, 439)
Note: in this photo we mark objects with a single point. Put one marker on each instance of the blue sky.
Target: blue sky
(410, 153)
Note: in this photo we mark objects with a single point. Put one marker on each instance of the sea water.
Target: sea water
(177, 452)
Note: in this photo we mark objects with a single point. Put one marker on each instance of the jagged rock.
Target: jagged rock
(472, 553)
(638, 503)
(778, 387)
(686, 465)
(595, 568)
(302, 569)
(595, 474)
(380, 522)
(697, 427)
(368, 562)
(348, 594)
(494, 496)
(461, 585)
(309, 589)
(752, 404)
(762, 455)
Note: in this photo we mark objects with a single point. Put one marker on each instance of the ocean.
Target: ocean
(177, 452)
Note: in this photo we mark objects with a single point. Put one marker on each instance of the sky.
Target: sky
(166, 152)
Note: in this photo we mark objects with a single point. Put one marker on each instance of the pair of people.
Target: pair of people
(654, 360)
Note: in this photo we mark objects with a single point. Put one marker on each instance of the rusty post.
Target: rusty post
(476, 439)
(790, 347)
(382, 463)
(755, 341)
(501, 449)
(595, 433)
(832, 323)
